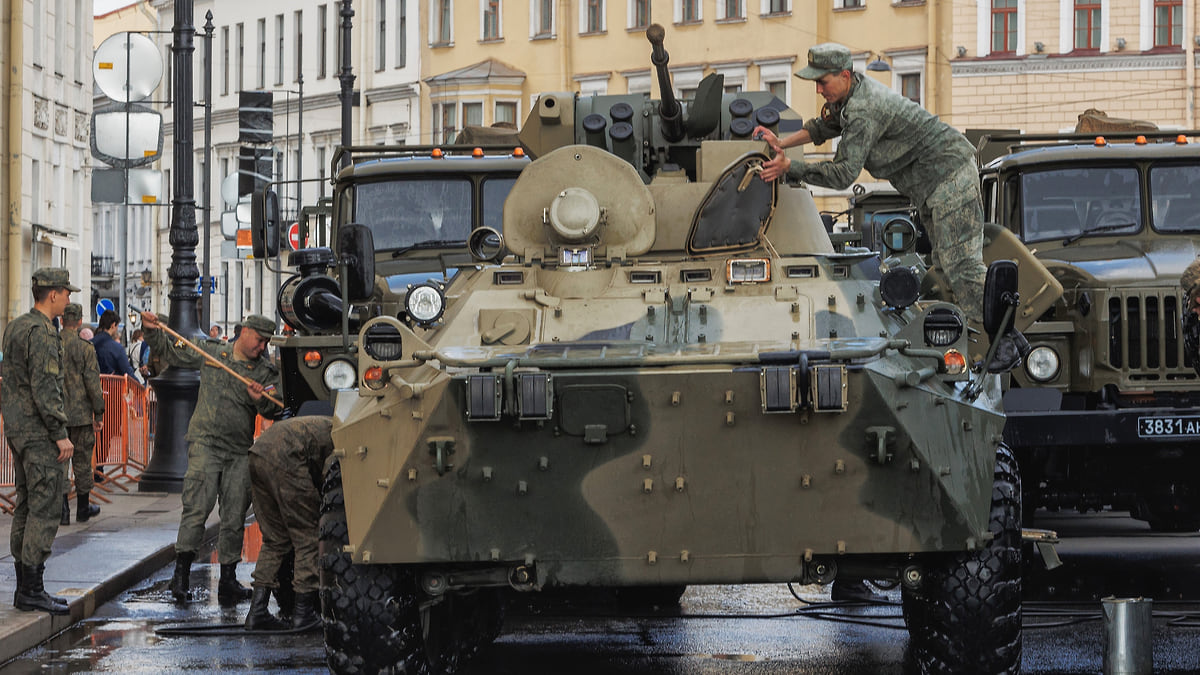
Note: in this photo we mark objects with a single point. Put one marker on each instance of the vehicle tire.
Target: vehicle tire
(372, 614)
(966, 617)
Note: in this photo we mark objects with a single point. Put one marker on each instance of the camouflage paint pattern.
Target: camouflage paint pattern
(40, 481)
(83, 437)
(83, 401)
(286, 463)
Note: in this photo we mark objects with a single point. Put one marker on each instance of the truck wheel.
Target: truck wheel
(966, 617)
(372, 618)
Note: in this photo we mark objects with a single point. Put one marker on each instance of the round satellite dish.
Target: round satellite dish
(127, 67)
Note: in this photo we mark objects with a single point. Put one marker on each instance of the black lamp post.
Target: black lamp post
(176, 389)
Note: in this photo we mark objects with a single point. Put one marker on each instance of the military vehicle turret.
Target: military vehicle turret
(657, 372)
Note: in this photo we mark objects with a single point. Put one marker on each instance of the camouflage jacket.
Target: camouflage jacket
(890, 136)
(83, 400)
(31, 391)
(304, 442)
(225, 413)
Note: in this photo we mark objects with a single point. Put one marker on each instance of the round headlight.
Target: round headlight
(424, 303)
(382, 342)
(899, 287)
(942, 327)
(1042, 364)
(339, 374)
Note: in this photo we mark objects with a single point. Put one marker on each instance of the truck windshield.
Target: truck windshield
(1071, 203)
(402, 213)
(1175, 194)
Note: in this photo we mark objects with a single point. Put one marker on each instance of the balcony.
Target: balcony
(102, 266)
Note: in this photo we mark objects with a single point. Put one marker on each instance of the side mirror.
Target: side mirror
(999, 295)
(264, 223)
(356, 248)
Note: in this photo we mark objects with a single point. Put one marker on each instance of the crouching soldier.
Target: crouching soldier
(286, 464)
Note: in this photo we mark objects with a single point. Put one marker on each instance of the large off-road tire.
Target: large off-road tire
(966, 617)
(374, 617)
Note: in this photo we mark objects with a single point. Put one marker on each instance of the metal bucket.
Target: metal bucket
(1128, 636)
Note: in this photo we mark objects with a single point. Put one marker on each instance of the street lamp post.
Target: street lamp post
(346, 77)
(177, 388)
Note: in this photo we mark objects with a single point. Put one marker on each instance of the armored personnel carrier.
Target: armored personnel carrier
(657, 372)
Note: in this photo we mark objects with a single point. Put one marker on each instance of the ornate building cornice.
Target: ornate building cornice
(1067, 64)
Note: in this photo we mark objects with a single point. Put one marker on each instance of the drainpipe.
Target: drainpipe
(564, 41)
(16, 125)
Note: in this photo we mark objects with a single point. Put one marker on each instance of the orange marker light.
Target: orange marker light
(373, 376)
(436, 153)
(477, 152)
(312, 358)
(955, 362)
(1181, 140)
(519, 152)
(1100, 142)
(1140, 140)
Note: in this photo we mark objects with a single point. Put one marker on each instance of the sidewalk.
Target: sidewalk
(92, 563)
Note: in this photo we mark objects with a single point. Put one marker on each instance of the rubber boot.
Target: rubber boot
(181, 582)
(229, 591)
(66, 514)
(307, 615)
(259, 618)
(84, 509)
(32, 596)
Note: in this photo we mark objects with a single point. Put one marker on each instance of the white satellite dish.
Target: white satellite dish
(127, 67)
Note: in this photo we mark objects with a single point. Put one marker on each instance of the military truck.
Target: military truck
(1106, 412)
(656, 371)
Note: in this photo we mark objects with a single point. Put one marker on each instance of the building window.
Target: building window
(541, 18)
(1168, 23)
(506, 113)
(472, 114)
(322, 171)
(262, 53)
(1004, 26)
(732, 9)
(381, 35)
(241, 57)
(447, 122)
(849, 4)
(910, 87)
(279, 49)
(776, 6)
(443, 20)
(337, 44)
(778, 90)
(401, 33)
(322, 40)
(491, 20)
(687, 11)
(225, 60)
(298, 26)
(593, 17)
(639, 13)
(1087, 24)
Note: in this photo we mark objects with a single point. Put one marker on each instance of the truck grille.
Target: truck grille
(1144, 336)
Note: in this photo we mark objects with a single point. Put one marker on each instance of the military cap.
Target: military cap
(824, 59)
(73, 312)
(260, 324)
(53, 277)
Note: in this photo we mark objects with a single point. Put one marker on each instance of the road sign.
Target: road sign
(105, 305)
(294, 236)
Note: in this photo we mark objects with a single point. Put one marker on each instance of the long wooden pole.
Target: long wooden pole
(216, 362)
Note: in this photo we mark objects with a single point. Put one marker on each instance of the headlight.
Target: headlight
(748, 271)
(382, 342)
(942, 327)
(1042, 364)
(339, 375)
(899, 287)
(424, 303)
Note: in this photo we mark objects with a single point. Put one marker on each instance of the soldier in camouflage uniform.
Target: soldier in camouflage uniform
(286, 465)
(31, 402)
(83, 402)
(1189, 281)
(219, 434)
(925, 159)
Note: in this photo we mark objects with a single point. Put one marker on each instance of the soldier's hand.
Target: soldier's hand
(775, 168)
(98, 425)
(255, 390)
(762, 133)
(65, 449)
(149, 320)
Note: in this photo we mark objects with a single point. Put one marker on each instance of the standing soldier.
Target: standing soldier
(286, 465)
(31, 401)
(83, 402)
(219, 434)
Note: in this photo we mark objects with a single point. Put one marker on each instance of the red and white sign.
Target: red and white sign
(294, 236)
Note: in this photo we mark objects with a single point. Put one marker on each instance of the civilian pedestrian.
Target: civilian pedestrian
(35, 424)
(219, 435)
(139, 356)
(83, 402)
(109, 354)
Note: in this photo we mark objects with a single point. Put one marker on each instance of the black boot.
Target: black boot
(17, 564)
(57, 598)
(31, 594)
(83, 509)
(229, 591)
(260, 617)
(183, 572)
(285, 593)
(307, 615)
(66, 514)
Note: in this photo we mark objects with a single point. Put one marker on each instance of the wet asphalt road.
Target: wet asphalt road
(724, 629)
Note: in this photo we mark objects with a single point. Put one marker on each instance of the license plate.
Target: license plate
(1168, 427)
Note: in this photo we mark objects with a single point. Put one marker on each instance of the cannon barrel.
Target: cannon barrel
(669, 110)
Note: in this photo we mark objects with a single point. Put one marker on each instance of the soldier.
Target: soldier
(83, 402)
(286, 465)
(1189, 281)
(219, 434)
(31, 402)
(925, 159)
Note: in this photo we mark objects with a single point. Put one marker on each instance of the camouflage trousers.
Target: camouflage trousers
(953, 218)
(40, 478)
(287, 504)
(214, 475)
(84, 438)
